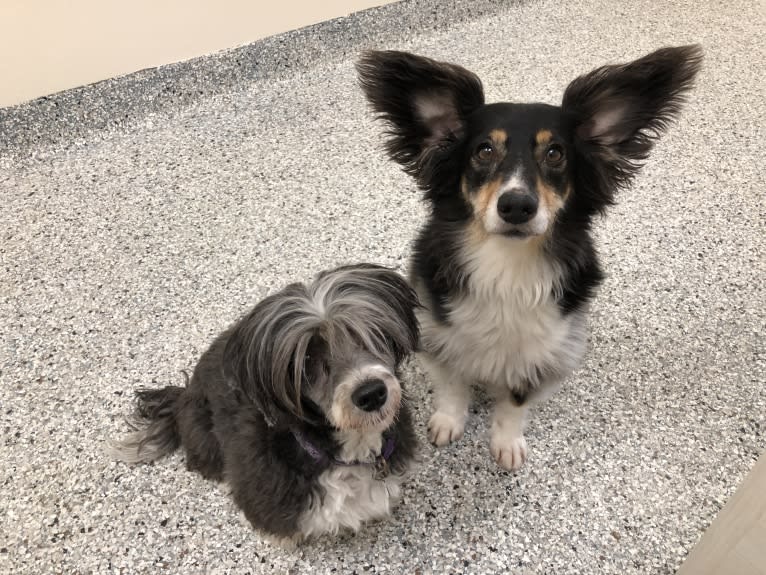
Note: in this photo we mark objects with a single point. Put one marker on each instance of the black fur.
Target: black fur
(392, 80)
(237, 415)
(650, 91)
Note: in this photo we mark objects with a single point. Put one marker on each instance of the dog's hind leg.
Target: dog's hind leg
(195, 425)
(452, 396)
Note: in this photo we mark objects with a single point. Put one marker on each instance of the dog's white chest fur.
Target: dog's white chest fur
(507, 327)
(352, 494)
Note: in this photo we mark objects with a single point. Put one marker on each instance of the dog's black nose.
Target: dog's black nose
(371, 395)
(516, 206)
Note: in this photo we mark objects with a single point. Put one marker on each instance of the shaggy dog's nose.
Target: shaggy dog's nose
(370, 395)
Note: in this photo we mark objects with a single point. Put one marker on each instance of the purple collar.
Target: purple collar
(320, 456)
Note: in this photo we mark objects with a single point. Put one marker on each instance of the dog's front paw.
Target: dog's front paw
(285, 543)
(444, 428)
(509, 451)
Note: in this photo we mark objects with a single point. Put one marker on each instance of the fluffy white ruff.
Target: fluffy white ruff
(507, 325)
(352, 494)
(500, 333)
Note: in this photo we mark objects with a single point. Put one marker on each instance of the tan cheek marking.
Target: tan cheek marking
(550, 199)
(543, 137)
(480, 202)
(485, 195)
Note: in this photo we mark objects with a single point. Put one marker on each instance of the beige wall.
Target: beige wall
(52, 45)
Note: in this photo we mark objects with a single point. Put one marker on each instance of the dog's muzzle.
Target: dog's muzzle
(369, 398)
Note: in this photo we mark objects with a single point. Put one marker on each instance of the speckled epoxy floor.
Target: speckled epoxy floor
(141, 215)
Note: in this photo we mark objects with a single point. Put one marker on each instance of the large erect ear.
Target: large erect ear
(619, 111)
(424, 102)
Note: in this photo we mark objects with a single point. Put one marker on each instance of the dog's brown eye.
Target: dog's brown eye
(553, 155)
(484, 151)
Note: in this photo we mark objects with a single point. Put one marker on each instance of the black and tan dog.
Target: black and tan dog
(505, 265)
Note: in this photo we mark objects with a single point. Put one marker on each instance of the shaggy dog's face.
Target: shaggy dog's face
(328, 352)
(354, 389)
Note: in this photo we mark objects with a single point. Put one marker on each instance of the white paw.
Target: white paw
(508, 451)
(286, 543)
(444, 428)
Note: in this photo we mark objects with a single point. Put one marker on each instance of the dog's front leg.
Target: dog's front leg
(507, 444)
(452, 396)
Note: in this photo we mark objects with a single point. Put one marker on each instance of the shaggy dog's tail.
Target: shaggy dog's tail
(154, 423)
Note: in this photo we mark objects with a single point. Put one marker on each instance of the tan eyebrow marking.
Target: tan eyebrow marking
(498, 137)
(543, 137)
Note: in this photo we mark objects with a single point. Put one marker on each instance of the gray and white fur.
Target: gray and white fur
(298, 406)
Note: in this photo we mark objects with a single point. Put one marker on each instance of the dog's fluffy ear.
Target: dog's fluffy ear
(377, 306)
(619, 111)
(401, 300)
(265, 354)
(424, 102)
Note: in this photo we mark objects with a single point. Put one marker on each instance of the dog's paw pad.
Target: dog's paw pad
(510, 453)
(444, 428)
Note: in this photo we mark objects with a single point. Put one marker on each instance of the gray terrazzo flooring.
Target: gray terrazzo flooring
(141, 215)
